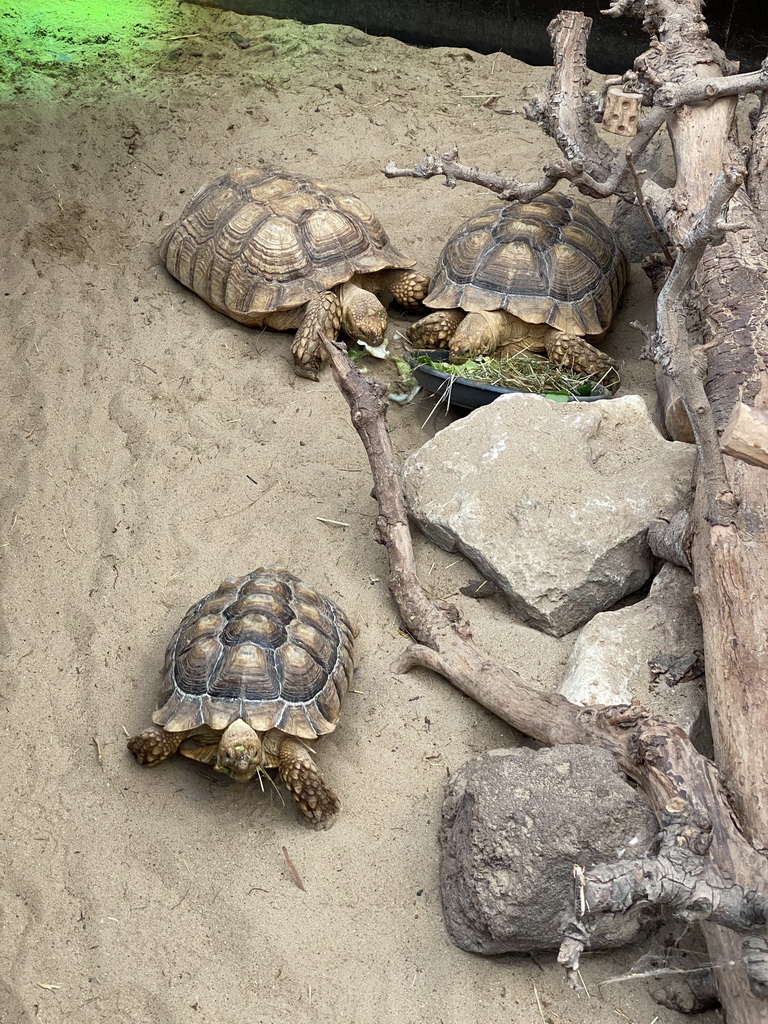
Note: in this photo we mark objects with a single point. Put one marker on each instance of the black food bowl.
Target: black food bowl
(468, 394)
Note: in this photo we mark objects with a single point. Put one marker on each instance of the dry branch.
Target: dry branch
(671, 539)
(705, 90)
(691, 87)
(605, 173)
(705, 869)
(449, 166)
(671, 351)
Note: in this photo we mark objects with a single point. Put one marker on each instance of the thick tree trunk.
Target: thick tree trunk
(693, 88)
(730, 560)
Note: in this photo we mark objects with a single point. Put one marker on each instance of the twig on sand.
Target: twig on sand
(99, 758)
(292, 869)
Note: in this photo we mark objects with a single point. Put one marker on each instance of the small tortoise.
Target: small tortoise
(538, 276)
(255, 669)
(272, 249)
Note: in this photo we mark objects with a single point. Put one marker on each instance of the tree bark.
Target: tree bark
(730, 560)
(721, 274)
(704, 869)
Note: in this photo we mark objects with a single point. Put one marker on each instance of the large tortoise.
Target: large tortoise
(541, 276)
(273, 249)
(255, 670)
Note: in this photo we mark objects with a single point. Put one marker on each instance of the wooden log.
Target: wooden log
(676, 423)
(746, 435)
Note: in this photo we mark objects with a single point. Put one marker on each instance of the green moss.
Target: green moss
(55, 37)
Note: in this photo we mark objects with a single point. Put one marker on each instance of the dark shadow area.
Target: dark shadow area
(517, 27)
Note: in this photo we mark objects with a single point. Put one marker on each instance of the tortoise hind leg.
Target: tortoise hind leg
(322, 318)
(155, 745)
(301, 777)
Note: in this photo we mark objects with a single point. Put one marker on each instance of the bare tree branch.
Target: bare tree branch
(600, 174)
(449, 166)
(671, 351)
(672, 95)
(718, 877)
(568, 118)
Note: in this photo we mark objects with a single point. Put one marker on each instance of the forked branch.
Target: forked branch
(588, 162)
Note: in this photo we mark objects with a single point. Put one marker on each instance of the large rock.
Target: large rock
(551, 501)
(514, 824)
(609, 663)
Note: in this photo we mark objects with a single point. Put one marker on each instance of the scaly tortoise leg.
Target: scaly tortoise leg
(322, 317)
(436, 330)
(155, 745)
(407, 287)
(301, 777)
(573, 352)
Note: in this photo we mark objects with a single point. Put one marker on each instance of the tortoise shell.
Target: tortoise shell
(551, 261)
(262, 647)
(256, 241)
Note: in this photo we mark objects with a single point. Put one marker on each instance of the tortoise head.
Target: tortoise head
(240, 752)
(362, 315)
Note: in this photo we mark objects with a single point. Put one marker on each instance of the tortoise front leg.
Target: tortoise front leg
(436, 330)
(573, 352)
(322, 318)
(155, 745)
(301, 777)
(407, 287)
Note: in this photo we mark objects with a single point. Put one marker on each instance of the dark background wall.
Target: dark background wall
(518, 27)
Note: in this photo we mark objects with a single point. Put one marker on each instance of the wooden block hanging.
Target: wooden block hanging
(622, 110)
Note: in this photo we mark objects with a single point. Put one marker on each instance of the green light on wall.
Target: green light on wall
(49, 35)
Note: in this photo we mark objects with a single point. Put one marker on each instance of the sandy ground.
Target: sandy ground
(153, 447)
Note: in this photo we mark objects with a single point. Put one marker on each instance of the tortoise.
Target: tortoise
(275, 249)
(540, 276)
(255, 670)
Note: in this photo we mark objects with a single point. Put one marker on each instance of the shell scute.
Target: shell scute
(263, 647)
(199, 628)
(314, 617)
(260, 604)
(254, 628)
(255, 241)
(550, 261)
(316, 643)
(299, 673)
(192, 667)
(246, 672)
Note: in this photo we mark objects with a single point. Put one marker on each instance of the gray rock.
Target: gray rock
(608, 663)
(550, 501)
(514, 824)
